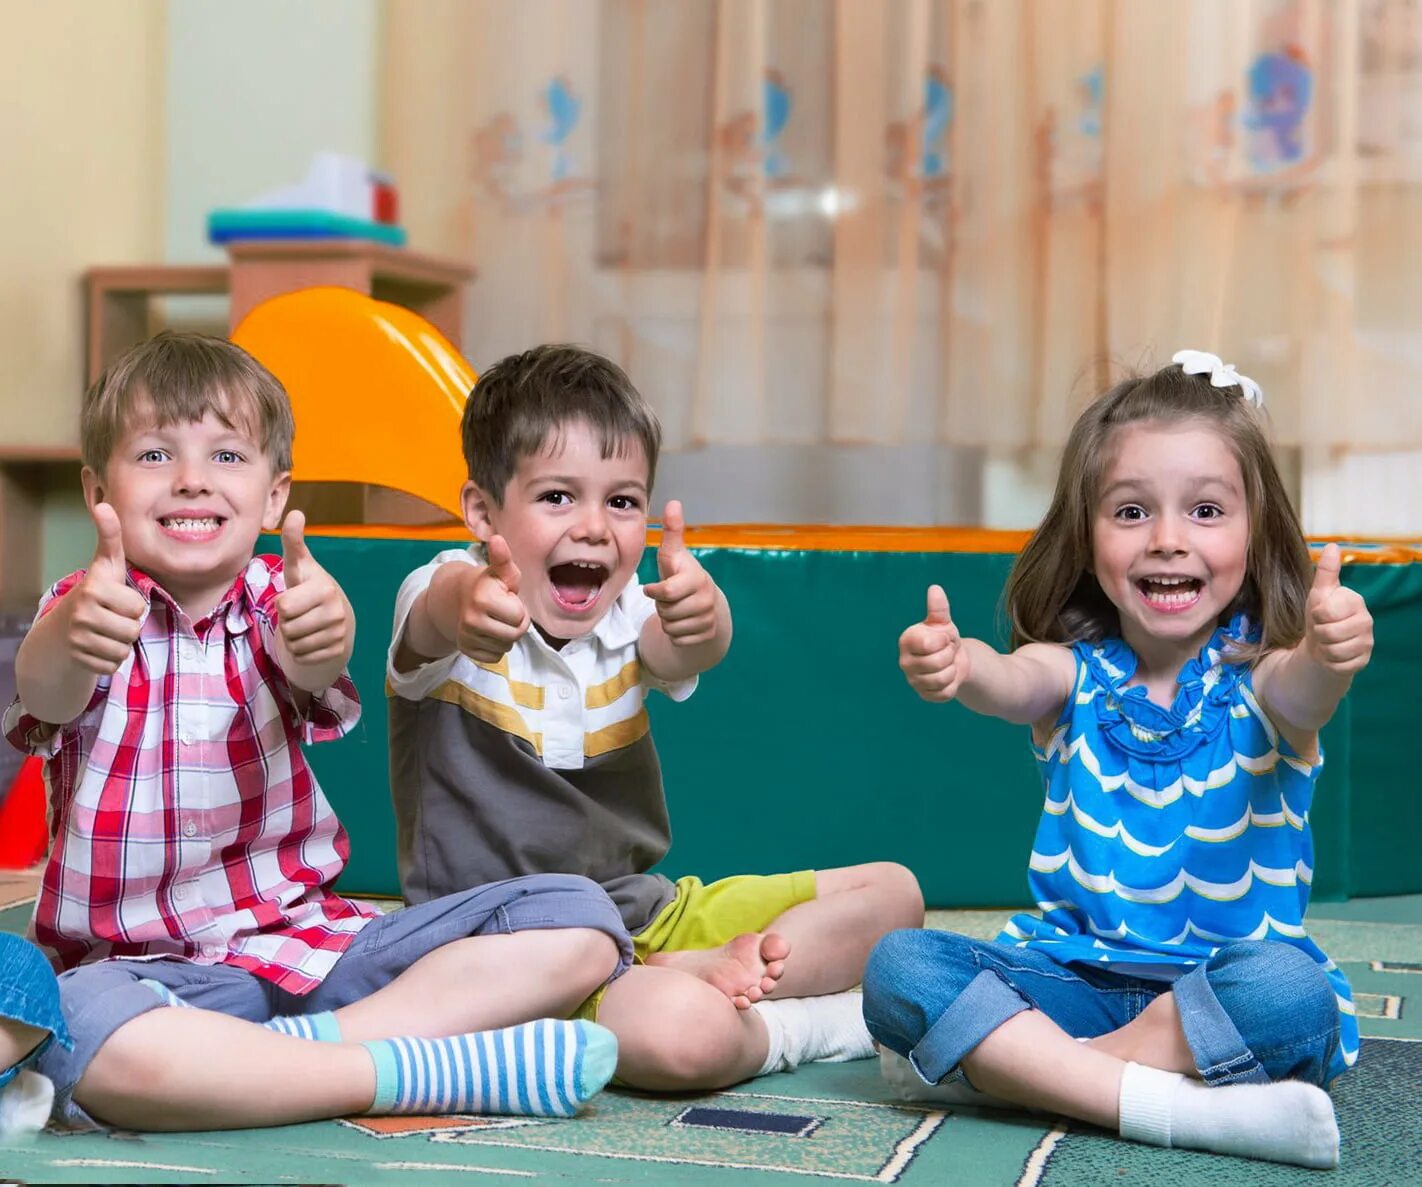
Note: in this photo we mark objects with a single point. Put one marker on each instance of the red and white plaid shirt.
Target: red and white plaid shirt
(185, 820)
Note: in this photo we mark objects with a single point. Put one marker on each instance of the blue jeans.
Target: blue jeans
(29, 993)
(1254, 1012)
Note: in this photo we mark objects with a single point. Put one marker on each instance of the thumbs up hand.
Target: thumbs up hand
(930, 653)
(315, 622)
(1338, 630)
(686, 597)
(105, 613)
(492, 617)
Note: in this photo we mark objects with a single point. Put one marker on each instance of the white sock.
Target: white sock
(1288, 1121)
(24, 1105)
(829, 1029)
(907, 1084)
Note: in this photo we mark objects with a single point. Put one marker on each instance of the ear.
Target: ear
(276, 501)
(93, 486)
(479, 511)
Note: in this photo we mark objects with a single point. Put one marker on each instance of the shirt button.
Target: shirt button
(180, 893)
(564, 691)
(185, 738)
(190, 829)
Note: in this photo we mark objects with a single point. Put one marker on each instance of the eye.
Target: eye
(228, 457)
(1131, 512)
(559, 498)
(625, 503)
(1208, 511)
(152, 455)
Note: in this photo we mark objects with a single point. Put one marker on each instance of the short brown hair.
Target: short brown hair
(1052, 595)
(522, 400)
(181, 378)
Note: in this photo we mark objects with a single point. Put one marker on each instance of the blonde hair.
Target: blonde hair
(1052, 595)
(178, 379)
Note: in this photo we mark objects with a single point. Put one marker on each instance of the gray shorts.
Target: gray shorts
(98, 998)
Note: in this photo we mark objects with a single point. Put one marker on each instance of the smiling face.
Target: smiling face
(576, 526)
(191, 498)
(1170, 535)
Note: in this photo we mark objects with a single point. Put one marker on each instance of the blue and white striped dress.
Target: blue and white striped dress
(1167, 833)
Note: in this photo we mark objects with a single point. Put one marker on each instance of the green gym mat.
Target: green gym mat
(824, 1122)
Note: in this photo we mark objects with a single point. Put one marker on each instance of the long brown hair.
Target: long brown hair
(1052, 595)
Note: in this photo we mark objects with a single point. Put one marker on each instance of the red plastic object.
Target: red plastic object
(24, 835)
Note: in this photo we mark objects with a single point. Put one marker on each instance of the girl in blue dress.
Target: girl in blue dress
(1176, 654)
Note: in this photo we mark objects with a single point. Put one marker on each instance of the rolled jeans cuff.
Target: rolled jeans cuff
(1221, 1055)
(980, 1009)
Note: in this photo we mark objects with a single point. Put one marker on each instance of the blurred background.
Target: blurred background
(867, 258)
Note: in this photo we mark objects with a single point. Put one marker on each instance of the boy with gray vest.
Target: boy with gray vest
(520, 743)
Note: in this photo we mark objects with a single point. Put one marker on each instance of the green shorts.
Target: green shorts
(707, 916)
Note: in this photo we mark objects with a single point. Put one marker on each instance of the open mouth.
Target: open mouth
(1170, 593)
(191, 527)
(577, 584)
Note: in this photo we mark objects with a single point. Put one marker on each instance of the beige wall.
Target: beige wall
(82, 142)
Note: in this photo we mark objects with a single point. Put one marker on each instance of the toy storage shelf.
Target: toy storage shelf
(119, 300)
(120, 309)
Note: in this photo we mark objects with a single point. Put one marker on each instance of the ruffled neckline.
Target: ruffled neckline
(1199, 710)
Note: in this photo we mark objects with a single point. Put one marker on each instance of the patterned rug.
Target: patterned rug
(824, 1122)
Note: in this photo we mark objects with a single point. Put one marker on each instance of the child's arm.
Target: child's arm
(691, 630)
(470, 608)
(88, 633)
(1027, 687)
(1300, 688)
(315, 623)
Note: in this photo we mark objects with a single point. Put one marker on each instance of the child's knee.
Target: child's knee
(594, 957)
(689, 1035)
(913, 976)
(903, 897)
(1281, 1002)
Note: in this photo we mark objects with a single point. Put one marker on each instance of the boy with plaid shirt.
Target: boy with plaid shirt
(170, 686)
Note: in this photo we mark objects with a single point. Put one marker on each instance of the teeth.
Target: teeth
(1168, 580)
(190, 525)
(1172, 599)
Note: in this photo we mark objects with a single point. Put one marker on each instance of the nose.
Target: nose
(190, 476)
(592, 523)
(1166, 537)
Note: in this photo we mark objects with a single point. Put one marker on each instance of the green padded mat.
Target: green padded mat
(806, 749)
(824, 1122)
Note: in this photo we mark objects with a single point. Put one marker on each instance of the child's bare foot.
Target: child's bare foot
(744, 969)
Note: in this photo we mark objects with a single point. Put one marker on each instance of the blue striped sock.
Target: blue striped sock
(545, 1068)
(321, 1028)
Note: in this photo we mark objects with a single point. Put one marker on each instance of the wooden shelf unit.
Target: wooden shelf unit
(119, 308)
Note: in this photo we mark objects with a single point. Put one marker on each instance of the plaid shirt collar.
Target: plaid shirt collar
(236, 606)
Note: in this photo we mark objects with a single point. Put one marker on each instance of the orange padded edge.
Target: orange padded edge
(825, 538)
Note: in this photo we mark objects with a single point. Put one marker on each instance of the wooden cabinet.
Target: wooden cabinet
(120, 307)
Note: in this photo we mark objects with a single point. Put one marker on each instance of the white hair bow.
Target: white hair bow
(1222, 374)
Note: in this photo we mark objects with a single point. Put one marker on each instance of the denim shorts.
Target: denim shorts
(99, 998)
(29, 994)
(1254, 1012)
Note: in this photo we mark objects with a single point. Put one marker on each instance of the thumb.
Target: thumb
(109, 549)
(295, 555)
(501, 562)
(937, 607)
(1325, 576)
(673, 539)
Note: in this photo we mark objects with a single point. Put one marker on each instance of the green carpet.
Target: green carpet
(826, 1122)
